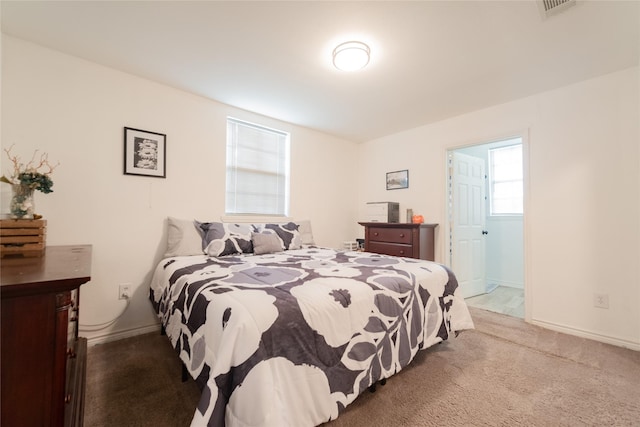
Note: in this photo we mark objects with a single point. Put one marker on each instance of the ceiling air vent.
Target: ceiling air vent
(553, 7)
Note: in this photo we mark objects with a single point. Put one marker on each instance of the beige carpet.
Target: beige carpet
(504, 373)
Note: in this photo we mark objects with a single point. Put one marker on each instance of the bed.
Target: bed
(290, 334)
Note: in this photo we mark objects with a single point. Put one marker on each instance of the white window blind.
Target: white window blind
(257, 169)
(506, 180)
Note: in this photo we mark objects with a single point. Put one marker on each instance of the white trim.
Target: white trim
(527, 235)
(619, 342)
(256, 219)
(114, 336)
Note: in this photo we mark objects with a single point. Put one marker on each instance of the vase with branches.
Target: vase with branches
(25, 179)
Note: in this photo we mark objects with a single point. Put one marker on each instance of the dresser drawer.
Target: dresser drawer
(400, 239)
(394, 249)
(72, 318)
(75, 385)
(64, 300)
(392, 235)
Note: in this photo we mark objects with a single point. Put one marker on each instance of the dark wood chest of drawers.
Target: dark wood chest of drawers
(400, 239)
(43, 360)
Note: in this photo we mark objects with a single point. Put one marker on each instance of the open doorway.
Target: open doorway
(485, 219)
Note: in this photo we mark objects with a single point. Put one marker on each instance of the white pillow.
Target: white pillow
(305, 232)
(183, 238)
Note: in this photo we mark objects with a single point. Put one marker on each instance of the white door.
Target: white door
(467, 222)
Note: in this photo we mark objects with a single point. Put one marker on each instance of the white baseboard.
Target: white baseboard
(101, 339)
(619, 342)
(255, 219)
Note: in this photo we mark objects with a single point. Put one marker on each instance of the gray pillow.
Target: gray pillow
(266, 243)
(183, 238)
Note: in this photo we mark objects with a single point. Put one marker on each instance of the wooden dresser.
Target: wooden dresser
(43, 362)
(400, 239)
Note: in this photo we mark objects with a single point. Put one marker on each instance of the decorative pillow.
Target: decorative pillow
(288, 234)
(219, 239)
(266, 243)
(183, 238)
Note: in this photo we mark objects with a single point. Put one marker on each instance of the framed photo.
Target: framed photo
(397, 179)
(145, 153)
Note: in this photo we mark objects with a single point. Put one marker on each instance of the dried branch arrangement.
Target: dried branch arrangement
(36, 174)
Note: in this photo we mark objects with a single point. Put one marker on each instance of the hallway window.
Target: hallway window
(505, 169)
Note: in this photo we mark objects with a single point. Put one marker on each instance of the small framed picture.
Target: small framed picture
(397, 180)
(145, 153)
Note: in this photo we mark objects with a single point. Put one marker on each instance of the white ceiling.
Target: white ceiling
(430, 59)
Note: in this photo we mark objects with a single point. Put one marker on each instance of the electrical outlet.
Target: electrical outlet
(124, 291)
(601, 300)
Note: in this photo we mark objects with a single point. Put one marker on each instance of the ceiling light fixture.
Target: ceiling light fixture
(351, 56)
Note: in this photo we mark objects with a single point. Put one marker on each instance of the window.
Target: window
(257, 169)
(506, 180)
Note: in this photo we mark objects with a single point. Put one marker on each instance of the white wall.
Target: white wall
(76, 111)
(582, 228)
(505, 251)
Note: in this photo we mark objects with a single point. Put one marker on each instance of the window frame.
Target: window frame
(492, 181)
(233, 166)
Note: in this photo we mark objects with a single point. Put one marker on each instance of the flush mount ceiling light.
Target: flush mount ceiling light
(351, 56)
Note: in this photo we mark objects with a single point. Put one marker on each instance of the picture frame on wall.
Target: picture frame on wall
(145, 153)
(398, 179)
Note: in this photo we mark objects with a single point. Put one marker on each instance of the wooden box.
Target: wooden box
(24, 237)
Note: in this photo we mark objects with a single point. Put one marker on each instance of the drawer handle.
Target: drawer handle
(375, 233)
(401, 234)
(401, 252)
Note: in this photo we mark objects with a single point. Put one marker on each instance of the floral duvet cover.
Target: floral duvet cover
(290, 339)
